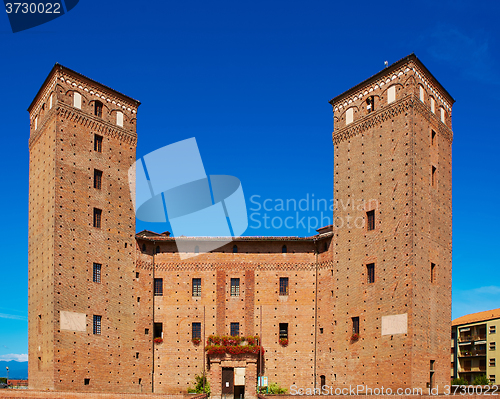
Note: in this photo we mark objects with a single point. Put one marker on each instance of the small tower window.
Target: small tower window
(433, 137)
(370, 220)
(196, 330)
(235, 287)
(97, 325)
(443, 115)
(433, 105)
(96, 274)
(284, 249)
(370, 271)
(98, 109)
(158, 249)
(196, 286)
(97, 143)
(370, 104)
(355, 325)
(235, 249)
(391, 94)
(97, 179)
(283, 285)
(433, 272)
(421, 93)
(97, 217)
(283, 330)
(433, 177)
(143, 247)
(322, 379)
(349, 116)
(77, 100)
(119, 118)
(50, 101)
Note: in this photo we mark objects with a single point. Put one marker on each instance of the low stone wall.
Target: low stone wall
(31, 394)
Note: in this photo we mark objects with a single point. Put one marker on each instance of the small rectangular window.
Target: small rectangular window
(146, 331)
(433, 177)
(355, 325)
(196, 286)
(137, 355)
(235, 329)
(391, 94)
(196, 330)
(283, 285)
(97, 217)
(119, 118)
(433, 137)
(36, 123)
(283, 330)
(370, 219)
(492, 363)
(96, 274)
(433, 272)
(97, 325)
(370, 271)
(157, 330)
(50, 101)
(235, 287)
(493, 329)
(137, 275)
(433, 105)
(492, 379)
(98, 109)
(77, 100)
(349, 116)
(443, 115)
(97, 143)
(158, 287)
(86, 381)
(97, 179)
(492, 346)
(421, 93)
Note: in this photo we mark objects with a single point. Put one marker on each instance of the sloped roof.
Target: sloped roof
(475, 317)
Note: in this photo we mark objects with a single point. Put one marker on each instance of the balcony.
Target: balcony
(473, 370)
(473, 353)
(471, 338)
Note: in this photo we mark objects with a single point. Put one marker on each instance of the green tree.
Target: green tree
(481, 380)
(3, 380)
(459, 381)
(198, 385)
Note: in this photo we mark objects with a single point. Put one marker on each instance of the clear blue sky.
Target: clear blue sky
(251, 81)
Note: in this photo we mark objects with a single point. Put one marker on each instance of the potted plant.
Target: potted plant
(158, 340)
(196, 341)
(284, 341)
(354, 337)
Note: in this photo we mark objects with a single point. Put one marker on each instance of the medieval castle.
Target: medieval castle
(115, 311)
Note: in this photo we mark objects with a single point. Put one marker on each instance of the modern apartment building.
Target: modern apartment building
(474, 346)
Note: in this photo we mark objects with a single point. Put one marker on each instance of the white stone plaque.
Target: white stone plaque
(239, 376)
(395, 324)
(72, 321)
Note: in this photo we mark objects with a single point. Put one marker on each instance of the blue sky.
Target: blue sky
(251, 81)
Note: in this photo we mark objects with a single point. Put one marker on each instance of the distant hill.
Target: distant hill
(17, 370)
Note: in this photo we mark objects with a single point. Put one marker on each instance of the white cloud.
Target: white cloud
(18, 358)
(12, 317)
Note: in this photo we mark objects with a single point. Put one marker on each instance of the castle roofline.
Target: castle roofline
(59, 67)
(391, 68)
(151, 236)
(475, 317)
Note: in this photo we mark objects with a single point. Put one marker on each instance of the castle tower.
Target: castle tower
(82, 238)
(391, 298)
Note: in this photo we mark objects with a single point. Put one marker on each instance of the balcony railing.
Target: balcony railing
(470, 338)
(472, 353)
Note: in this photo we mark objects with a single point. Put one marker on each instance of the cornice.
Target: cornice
(389, 112)
(232, 266)
(97, 125)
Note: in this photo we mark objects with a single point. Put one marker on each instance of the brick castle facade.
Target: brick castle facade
(367, 304)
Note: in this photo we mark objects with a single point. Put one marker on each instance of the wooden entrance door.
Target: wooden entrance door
(227, 381)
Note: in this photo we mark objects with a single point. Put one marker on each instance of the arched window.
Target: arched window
(197, 249)
(143, 247)
(235, 249)
(158, 249)
(284, 249)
